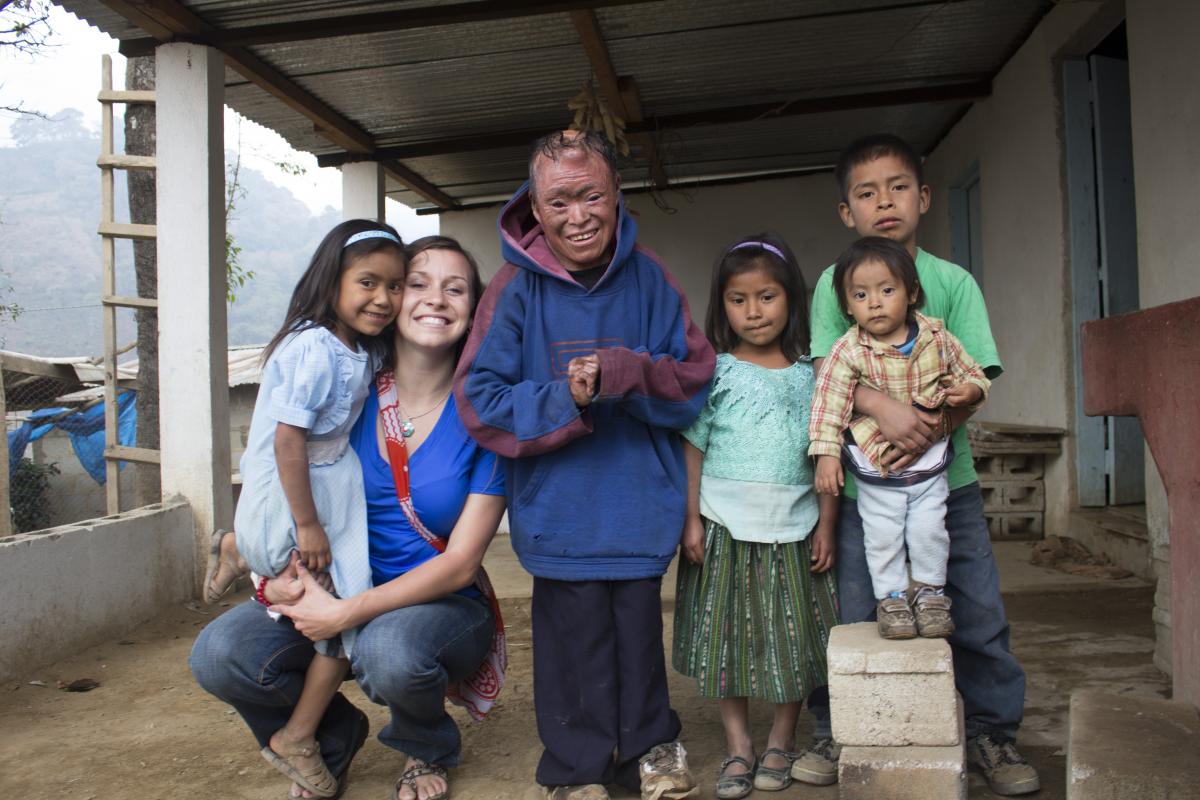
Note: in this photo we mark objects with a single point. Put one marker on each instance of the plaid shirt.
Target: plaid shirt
(937, 362)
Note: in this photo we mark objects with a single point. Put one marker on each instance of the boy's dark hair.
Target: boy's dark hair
(869, 148)
(891, 254)
(553, 145)
(425, 243)
(757, 252)
(316, 292)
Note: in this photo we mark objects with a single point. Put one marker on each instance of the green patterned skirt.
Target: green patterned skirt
(753, 621)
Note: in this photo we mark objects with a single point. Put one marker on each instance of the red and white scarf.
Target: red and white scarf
(478, 693)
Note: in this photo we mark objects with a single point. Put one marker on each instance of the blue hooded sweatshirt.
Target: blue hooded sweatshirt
(597, 493)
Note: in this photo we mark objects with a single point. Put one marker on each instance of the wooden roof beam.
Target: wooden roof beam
(625, 104)
(418, 184)
(939, 93)
(169, 20)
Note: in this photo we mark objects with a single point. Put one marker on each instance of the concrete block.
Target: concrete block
(1131, 748)
(1013, 495)
(906, 773)
(1010, 466)
(1015, 526)
(890, 693)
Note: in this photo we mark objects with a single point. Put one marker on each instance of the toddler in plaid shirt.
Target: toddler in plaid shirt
(896, 350)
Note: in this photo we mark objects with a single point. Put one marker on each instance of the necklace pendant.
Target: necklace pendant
(407, 428)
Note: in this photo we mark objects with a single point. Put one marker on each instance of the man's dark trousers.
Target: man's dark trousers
(599, 679)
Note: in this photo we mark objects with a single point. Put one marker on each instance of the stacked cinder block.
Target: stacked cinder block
(896, 715)
(1010, 462)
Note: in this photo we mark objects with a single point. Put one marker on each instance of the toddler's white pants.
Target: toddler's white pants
(894, 516)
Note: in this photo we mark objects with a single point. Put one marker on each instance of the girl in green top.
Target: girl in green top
(755, 598)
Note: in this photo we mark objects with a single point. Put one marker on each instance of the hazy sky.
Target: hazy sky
(67, 75)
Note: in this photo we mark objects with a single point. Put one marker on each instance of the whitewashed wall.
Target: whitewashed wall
(803, 210)
(1015, 138)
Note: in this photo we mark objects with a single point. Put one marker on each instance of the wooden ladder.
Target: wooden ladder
(111, 230)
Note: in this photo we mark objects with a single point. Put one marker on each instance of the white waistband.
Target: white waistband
(327, 451)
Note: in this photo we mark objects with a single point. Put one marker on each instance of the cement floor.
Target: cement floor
(150, 732)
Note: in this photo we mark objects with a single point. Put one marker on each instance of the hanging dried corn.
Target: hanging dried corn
(593, 114)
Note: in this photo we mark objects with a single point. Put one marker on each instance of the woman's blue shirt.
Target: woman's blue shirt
(447, 467)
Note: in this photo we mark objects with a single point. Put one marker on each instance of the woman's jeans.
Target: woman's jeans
(403, 659)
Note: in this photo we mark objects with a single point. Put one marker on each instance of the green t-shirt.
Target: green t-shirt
(951, 295)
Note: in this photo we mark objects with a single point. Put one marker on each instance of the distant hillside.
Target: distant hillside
(50, 253)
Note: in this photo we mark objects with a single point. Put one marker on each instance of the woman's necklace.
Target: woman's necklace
(407, 428)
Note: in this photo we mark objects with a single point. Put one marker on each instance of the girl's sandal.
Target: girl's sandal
(774, 779)
(416, 769)
(316, 778)
(732, 787)
(214, 590)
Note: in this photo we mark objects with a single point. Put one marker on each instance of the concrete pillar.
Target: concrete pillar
(362, 190)
(192, 329)
(1147, 364)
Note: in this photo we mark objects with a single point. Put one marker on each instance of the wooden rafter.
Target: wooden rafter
(938, 93)
(383, 22)
(168, 20)
(625, 104)
(418, 184)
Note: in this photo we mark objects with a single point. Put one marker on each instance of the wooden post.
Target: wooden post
(5, 495)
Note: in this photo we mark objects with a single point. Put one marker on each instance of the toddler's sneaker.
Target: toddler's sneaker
(818, 765)
(665, 775)
(931, 608)
(895, 618)
(1006, 770)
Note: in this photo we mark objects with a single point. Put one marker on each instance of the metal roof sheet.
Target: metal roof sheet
(473, 79)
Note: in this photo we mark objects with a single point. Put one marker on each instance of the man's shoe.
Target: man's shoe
(895, 618)
(818, 765)
(588, 791)
(665, 775)
(931, 610)
(1006, 770)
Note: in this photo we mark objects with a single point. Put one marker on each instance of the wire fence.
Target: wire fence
(56, 449)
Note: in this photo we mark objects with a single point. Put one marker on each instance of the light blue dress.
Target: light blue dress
(312, 381)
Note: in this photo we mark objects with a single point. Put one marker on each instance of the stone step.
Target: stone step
(890, 693)
(1131, 748)
(1118, 533)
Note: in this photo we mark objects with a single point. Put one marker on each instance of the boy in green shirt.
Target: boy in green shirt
(883, 194)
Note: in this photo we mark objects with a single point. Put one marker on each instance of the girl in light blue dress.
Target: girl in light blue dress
(302, 490)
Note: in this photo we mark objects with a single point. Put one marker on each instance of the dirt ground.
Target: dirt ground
(149, 732)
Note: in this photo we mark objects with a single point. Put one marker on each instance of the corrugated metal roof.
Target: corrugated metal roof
(473, 79)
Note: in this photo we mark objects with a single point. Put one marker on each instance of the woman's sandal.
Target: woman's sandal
(316, 779)
(416, 769)
(214, 591)
(732, 787)
(774, 779)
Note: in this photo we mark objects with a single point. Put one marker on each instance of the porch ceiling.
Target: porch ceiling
(448, 95)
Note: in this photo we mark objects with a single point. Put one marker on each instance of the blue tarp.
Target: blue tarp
(85, 429)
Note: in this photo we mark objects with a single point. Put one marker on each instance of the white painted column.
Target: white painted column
(192, 329)
(362, 190)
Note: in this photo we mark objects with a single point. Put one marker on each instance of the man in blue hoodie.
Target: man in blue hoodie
(582, 365)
